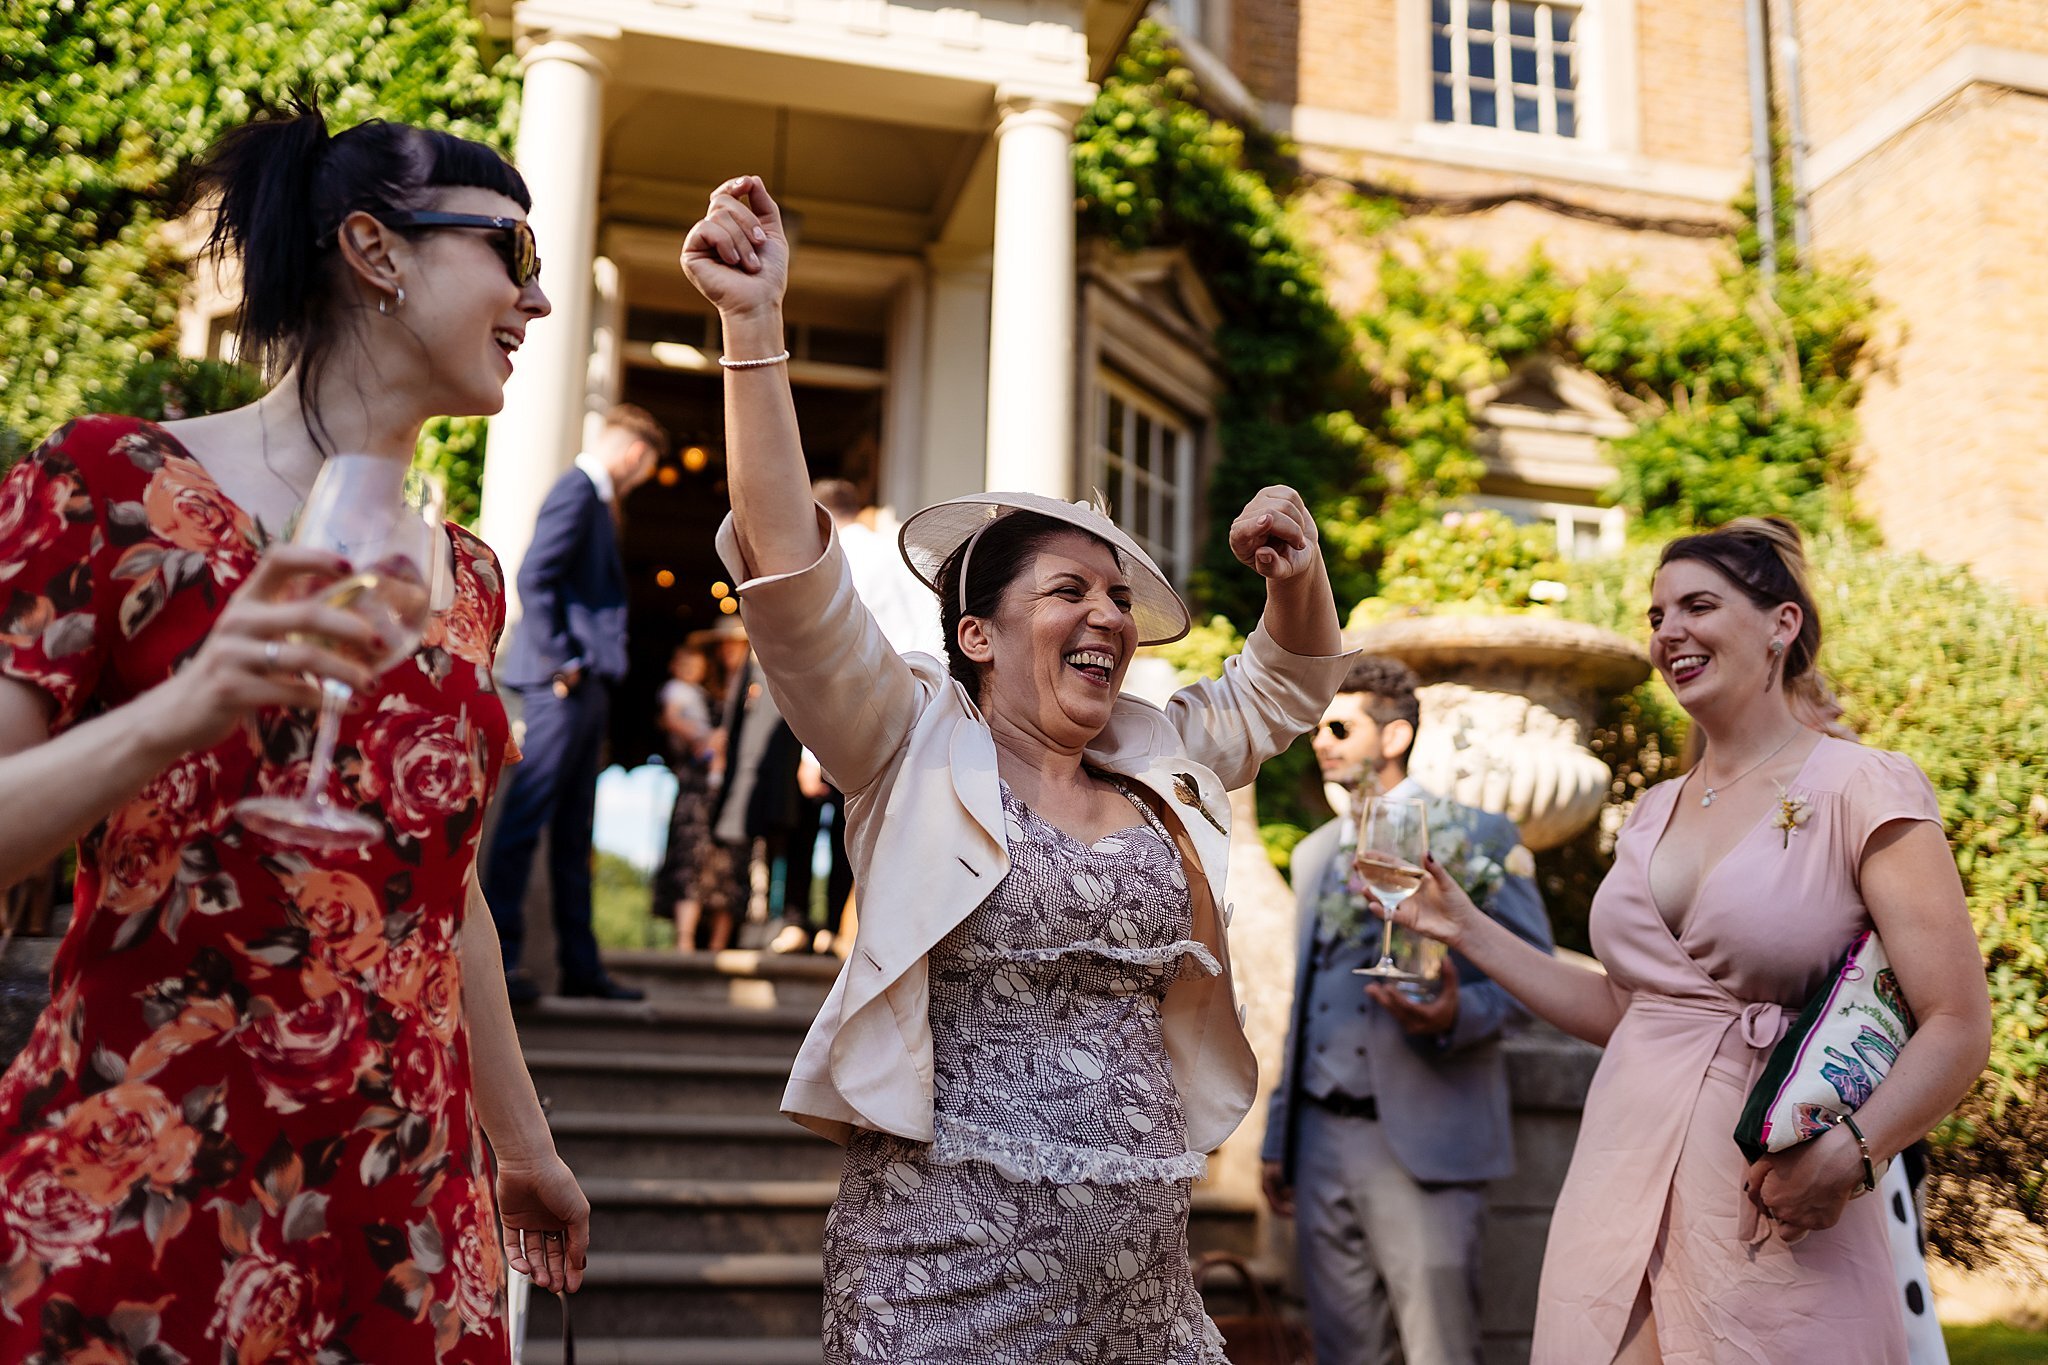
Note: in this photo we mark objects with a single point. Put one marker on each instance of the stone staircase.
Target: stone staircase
(708, 1207)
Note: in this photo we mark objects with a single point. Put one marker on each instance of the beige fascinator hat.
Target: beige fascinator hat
(930, 537)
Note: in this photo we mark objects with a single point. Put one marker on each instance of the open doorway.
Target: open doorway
(675, 581)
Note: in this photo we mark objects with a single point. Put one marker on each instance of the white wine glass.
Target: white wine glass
(384, 521)
(1393, 839)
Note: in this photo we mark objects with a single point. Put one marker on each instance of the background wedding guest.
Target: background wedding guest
(755, 801)
(902, 606)
(567, 654)
(686, 728)
(1390, 1115)
(1735, 893)
(251, 1123)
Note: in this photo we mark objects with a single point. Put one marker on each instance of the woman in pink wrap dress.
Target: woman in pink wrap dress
(1735, 893)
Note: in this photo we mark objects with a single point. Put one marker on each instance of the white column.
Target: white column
(956, 382)
(903, 404)
(1031, 323)
(604, 381)
(539, 431)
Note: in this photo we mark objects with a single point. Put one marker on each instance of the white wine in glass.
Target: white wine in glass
(1393, 839)
(384, 520)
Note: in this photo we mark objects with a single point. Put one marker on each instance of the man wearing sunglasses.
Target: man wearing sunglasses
(1391, 1113)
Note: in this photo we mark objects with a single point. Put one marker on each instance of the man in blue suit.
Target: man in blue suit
(1391, 1114)
(567, 654)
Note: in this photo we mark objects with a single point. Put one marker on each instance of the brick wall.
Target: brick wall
(1694, 80)
(1861, 53)
(1952, 218)
(1330, 54)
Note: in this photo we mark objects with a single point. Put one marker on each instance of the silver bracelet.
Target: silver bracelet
(762, 363)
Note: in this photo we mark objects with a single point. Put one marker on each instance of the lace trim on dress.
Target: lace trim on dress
(956, 1142)
(1144, 957)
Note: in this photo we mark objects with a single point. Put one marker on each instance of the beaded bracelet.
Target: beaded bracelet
(762, 363)
(1869, 1166)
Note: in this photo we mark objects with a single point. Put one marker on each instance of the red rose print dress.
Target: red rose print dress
(242, 1130)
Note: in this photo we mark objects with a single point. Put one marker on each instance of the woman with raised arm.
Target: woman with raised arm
(1734, 894)
(247, 1126)
(1034, 1041)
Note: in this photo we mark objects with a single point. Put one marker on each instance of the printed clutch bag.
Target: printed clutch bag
(1843, 1043)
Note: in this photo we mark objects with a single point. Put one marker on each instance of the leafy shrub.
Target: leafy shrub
(453, 447)
(165, 390)
(1465, 562)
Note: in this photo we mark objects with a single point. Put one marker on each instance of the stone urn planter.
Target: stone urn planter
(1507, 705)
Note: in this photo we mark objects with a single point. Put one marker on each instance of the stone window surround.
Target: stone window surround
(1159, 357)
(1610, 522)
(1608, 119)
(1506, 89)
(1607, 152)
(1171, 519)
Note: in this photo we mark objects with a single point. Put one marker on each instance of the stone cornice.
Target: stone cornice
(1978, 64)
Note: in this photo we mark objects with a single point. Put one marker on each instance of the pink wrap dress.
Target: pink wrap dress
(1655, 1186)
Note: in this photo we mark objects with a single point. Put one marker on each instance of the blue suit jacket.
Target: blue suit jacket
(572, 590)
(1443, 1102)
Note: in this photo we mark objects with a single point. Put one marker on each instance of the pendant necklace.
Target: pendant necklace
(1712, 792)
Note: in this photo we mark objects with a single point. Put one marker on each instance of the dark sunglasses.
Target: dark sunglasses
(1340, 730)
(512, 237)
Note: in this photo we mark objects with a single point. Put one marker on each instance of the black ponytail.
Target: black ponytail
(262, 176)
(281, 187)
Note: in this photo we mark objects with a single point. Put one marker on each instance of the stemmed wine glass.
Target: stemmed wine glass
(385, 522)
(1393, 839)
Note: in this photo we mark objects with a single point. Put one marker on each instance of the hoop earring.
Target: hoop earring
(386, 306)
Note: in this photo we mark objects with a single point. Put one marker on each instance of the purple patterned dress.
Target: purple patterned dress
(1047, 1222)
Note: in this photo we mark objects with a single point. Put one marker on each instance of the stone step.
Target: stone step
(650, 1026)
(572, 1078)
(634, 1214)
(687, 1295)
(672, 1351)
(598, 1143)
(637, 1213)
(695, 1303)
(744, 979)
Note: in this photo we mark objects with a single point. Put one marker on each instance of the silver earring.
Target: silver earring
(387, 306)
(1777, 658)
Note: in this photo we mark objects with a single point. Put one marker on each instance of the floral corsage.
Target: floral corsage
(1792, 814)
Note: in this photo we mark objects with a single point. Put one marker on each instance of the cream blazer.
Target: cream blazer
(925, 832)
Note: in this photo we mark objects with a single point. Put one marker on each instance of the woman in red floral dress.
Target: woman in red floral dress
(250, 1126)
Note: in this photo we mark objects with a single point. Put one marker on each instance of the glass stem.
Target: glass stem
(334, 699)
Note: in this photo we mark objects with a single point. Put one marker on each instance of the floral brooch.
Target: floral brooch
(1792, 813)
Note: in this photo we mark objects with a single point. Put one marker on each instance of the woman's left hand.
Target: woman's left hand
(1806, 1187)
(546, 1221)
(1275, 535)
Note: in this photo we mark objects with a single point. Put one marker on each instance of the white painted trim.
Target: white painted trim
(1520, 154)
(1977, 64)
(688, 359)
(960, 45)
